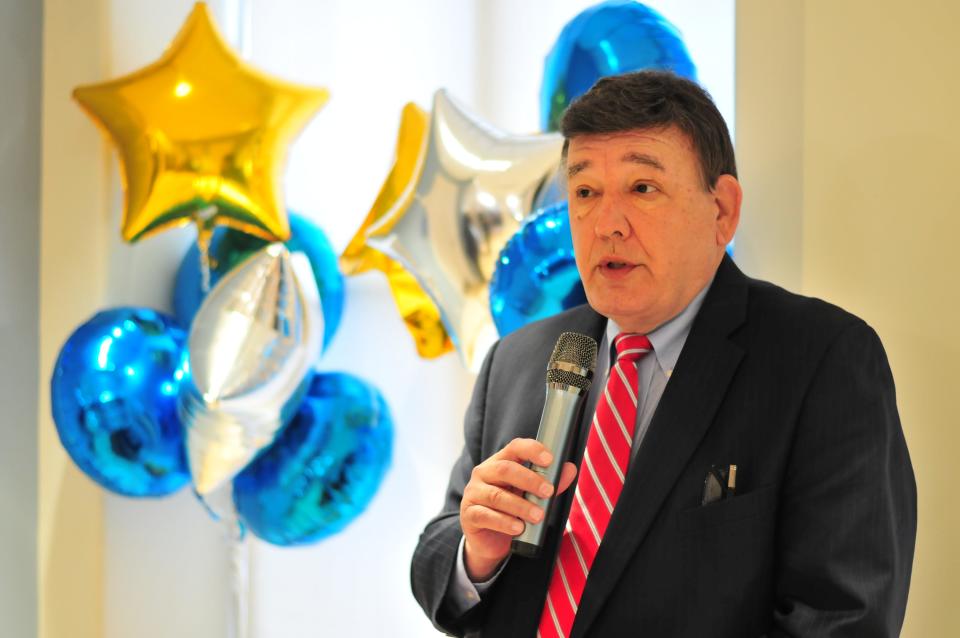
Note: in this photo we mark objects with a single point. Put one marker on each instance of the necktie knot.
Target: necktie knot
(631, 346)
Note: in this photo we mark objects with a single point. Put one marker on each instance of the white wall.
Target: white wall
(166, 565)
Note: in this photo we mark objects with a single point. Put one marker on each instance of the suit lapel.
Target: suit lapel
(689, 402)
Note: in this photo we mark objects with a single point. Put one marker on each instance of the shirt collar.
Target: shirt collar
(668, 338)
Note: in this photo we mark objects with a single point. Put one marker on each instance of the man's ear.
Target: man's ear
(727, 195)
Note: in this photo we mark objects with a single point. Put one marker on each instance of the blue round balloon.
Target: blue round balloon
(228, 247)
(536, 275)
(323, 469)
(114, 398)
(610, 38)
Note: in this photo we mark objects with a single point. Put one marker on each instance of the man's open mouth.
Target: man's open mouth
(616, 264)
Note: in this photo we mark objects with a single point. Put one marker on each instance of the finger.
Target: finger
(511, 474)
(523, 450)
(501, 500)
(567, 474)
(475, 518)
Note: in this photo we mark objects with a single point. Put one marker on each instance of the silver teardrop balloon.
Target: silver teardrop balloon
(252, 347)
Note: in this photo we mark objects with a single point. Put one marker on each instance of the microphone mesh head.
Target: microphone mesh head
(577, 349)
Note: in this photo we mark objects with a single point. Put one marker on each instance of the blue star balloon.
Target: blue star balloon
(536, 274)
(325, 467)
(229, 247)
(610, 38)
(113, 394)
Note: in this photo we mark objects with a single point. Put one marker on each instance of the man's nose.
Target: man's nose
(611, 219)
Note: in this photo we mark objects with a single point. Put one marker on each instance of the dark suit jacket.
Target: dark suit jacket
(819, 539)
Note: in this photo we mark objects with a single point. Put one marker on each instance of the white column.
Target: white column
(74, 227)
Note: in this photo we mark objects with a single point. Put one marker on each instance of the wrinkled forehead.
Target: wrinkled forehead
(627, 146)
(651, 147)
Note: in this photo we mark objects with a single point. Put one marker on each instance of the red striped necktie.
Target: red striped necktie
(599, 485)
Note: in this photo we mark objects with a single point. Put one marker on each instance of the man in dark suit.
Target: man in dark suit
(815, 534)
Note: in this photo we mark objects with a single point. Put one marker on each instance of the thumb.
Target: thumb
(567, 475)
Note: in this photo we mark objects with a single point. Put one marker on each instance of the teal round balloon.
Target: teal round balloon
(229, 247)
(323, 469)
(610, 38)
(113, 394)
(536, 274)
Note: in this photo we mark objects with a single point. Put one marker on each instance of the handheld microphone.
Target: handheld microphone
(568, 379)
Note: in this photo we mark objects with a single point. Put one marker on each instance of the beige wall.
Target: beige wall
(74, 223)
(865, 152)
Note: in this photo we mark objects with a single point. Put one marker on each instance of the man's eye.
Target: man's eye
(645, 188)
(583, 192)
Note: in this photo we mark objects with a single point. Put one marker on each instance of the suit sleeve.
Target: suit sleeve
(434, 558)
(847, 523)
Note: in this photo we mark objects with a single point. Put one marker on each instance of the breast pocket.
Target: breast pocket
(760, 503)
(726, 561)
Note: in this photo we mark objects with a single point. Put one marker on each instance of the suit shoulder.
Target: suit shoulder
(534, 341)
(803, 318)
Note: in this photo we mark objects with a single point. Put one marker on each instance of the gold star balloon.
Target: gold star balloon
(419, 313)
(202, 136)
(446, 223)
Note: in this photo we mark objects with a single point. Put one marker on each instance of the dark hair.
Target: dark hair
(654, 100)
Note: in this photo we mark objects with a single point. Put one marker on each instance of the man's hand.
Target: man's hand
(493, 510)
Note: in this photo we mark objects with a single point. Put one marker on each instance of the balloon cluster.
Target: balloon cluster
(471, 225)
(224, 395)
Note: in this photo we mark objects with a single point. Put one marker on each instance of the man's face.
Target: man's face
(647, 234)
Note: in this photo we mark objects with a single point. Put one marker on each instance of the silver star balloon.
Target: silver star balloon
(252, 347)
(475, 187)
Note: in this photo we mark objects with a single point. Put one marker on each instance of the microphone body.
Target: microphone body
(568, 380)
(557, 424)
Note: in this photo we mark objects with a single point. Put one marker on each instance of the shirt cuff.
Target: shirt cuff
(464, 593)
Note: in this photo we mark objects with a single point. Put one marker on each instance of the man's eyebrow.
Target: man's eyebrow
(643, 158)
(573, 169)
(632, 157)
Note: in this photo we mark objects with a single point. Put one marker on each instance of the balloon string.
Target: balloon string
(220, 504)
(240, 582)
